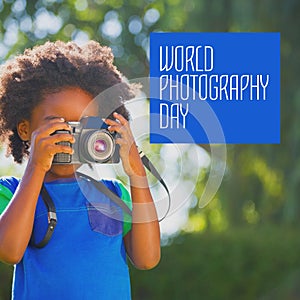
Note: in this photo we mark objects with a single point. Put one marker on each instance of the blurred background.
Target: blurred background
(245, 243)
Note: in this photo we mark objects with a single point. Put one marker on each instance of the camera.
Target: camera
(94, 143)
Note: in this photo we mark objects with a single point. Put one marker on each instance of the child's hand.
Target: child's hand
(44, 143)
(131, 161)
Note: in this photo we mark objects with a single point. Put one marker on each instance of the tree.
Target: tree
(261, 184)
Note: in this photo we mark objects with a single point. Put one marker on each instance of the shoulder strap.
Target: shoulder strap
(106, 191)
(52, 220)
(151, 168)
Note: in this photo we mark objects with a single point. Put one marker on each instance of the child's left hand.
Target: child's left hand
(128, 150)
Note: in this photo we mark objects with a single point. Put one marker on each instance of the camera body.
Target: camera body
(94, 143)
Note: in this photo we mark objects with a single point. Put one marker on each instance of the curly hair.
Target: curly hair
(49, 68)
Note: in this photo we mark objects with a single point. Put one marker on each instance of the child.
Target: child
(40, 92)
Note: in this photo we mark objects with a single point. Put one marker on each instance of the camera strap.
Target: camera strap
(115, 198)
(100, 186)
(52, 219)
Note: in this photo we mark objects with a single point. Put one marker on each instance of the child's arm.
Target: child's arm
(16, 222)
(143, 241)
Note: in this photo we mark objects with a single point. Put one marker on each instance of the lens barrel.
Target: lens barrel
(98, 146)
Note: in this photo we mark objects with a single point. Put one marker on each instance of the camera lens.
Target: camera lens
(100, 146)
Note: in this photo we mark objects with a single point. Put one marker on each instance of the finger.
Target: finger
(119, 120)
(119, 117)
(52, 126)
(63, 149)
(118, 128)
(57, 148)
(52, 148)
(120, 141)
(50, 141)
(111, 122)
(49, 122)
(61, 137)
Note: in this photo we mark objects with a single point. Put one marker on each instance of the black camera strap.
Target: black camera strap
(106, 191)
(52, 219)
(115, 198)
(148, 164)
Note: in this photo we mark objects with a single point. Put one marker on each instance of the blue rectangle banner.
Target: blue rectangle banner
(215, 88)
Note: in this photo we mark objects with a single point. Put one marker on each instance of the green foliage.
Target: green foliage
(261, 185)
(262, 181)
(123, 25)
(240, 264)
(6, 272)
(248, 263)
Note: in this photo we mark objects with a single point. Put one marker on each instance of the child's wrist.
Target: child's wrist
(36, 168)
(136, 169)
(138, 181)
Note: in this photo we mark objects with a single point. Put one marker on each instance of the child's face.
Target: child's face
(69, 104)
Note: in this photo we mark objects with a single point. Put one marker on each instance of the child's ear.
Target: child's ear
(23, 130)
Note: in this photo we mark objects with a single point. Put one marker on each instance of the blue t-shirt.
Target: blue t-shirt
(85, 258)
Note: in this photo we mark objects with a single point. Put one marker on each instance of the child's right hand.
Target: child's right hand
(43, 144)
(17, 220)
